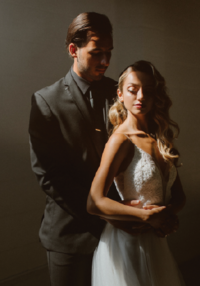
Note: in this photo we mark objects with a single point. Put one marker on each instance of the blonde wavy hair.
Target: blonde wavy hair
(160, 123)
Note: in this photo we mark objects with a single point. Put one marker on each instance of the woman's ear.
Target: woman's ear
(120, 96)
(73, 50)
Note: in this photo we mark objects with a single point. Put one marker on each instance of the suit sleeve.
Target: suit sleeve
(52, 163)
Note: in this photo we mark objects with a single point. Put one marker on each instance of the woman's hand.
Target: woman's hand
(133, 228)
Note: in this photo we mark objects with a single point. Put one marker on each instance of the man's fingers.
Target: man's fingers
(159, 233)
(138, 226)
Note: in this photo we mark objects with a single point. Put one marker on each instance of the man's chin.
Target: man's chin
(99, 76)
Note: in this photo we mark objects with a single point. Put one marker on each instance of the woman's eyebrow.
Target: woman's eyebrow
(134, 84)
(138, 85)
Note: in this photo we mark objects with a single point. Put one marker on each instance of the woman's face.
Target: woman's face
(138, 93)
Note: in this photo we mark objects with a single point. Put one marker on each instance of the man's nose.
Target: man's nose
(105, 60)
(140, 94)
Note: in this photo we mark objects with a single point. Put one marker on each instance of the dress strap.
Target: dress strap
(137, 133)
(127, 135)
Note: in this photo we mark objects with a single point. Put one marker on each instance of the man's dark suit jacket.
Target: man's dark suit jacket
(65, 157)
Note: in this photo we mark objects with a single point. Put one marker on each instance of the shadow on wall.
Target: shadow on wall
(190, 271)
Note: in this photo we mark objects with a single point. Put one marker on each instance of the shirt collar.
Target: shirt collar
(81, 82)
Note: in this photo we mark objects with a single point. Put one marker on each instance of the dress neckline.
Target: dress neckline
(163, 176)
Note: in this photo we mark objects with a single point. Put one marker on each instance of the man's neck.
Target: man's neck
(81, 82)
(76, 70)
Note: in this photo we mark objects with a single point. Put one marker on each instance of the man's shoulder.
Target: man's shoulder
(51, 90)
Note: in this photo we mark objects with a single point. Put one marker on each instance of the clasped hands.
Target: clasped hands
(165, 222)
(169, 222)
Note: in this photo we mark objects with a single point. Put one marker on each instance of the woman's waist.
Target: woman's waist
(111, 232)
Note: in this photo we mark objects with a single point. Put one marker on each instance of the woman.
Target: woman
(141, 159)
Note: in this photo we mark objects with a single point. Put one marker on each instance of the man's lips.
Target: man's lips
(101, 70)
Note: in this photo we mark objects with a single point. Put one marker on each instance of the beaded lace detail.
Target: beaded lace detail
(143, 180)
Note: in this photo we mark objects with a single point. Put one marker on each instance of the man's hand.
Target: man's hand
(170, 225)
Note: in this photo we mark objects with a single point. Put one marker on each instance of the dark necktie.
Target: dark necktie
(97, 103)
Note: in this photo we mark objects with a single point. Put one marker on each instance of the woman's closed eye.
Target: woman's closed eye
(147, 92)
(133, 91)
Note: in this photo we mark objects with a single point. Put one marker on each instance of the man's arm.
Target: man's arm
(176, 203)
(52, 161)
(178, 198)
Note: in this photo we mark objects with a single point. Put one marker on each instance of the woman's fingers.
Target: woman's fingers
(150, 207)
(134, 202)
(130, 202)
(158, 209)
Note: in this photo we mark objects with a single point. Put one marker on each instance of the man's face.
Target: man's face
(93, 59)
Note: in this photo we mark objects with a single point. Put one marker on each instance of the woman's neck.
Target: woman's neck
(137, 123)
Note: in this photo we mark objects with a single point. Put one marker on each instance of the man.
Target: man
(68, 131)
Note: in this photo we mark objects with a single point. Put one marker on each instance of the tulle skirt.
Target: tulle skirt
(125, 260)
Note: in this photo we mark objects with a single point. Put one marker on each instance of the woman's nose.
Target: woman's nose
(140, 94)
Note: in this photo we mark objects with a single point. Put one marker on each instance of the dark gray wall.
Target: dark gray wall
(32, 56)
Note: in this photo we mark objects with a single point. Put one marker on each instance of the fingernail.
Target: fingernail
(137, 201)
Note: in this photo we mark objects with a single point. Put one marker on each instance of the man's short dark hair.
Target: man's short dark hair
(84, 22)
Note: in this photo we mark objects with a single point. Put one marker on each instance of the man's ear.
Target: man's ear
(73, 50)
(120, 96)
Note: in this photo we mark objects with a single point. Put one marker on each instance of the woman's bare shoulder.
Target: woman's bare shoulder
(119, 142)
(118, 139)
(117, 154)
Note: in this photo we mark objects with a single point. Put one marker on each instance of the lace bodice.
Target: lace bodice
(144, 181)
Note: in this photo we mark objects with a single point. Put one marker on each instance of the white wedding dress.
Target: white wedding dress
(143, 260)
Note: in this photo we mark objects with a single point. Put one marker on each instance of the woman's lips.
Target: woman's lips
(139, 106)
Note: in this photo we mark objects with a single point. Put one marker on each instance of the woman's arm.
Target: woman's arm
(116, 157)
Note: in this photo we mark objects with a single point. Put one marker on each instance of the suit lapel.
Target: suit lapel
(76, 95)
